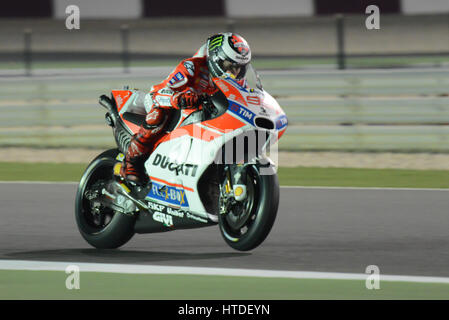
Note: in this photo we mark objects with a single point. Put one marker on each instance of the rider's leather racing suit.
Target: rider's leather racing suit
(179, 90)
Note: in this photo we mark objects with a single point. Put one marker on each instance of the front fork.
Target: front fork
(237, 174)
(235, 182)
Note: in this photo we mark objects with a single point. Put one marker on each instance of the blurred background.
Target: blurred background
(363, 105)
(346, 90)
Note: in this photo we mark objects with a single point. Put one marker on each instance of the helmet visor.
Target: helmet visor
(234, 69)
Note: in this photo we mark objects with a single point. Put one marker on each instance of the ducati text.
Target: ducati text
(165, 163)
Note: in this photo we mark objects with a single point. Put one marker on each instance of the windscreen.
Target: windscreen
(253, 79)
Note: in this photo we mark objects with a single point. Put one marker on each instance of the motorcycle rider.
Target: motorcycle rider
(223, 54)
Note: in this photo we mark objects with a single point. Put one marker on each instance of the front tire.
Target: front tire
(118, 228)
(247, 235)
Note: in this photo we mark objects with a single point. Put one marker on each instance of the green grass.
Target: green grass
(303, 176)
(94, 285)
(351, 177)
(12, 171)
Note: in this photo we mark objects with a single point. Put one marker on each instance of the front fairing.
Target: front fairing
(253, 106)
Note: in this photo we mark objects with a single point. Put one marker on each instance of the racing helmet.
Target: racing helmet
(228, 53)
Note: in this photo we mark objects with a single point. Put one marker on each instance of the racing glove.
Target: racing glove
(185, 100)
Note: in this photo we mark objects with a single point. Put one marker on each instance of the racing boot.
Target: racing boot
(141, 146)
(133, 169)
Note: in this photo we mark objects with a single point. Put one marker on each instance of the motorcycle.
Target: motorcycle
(211, 167)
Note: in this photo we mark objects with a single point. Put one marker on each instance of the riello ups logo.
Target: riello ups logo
(165, 163)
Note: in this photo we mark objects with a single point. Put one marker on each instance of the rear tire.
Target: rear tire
(260, 219)
(120, 229)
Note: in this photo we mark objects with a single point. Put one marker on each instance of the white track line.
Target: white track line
(38, 182)
(154, 269)
(365, 188)
(283, 187)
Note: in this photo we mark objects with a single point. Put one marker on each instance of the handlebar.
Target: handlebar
(206, 102)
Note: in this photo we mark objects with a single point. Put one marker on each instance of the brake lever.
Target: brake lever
(203, 98)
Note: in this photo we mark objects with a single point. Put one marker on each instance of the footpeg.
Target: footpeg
(123, 190)
(136, 190)
(140, 192)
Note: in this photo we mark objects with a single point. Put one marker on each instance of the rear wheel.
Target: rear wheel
(246, 224)
(100, 226)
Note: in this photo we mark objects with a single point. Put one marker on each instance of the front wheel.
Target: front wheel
(100, 226)
(246, 224)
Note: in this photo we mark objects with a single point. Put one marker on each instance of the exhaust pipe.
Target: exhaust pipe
(121, 134)
(112, 115)
(106, 102)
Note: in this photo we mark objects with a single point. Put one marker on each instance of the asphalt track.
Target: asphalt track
(403, 232)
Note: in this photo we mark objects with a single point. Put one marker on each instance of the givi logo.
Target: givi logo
(165, 219)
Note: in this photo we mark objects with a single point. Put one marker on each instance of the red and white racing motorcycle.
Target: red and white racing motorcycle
(209, 168)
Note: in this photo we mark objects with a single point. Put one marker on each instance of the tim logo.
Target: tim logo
(168, 194)
(242, 112)
(234, 107)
